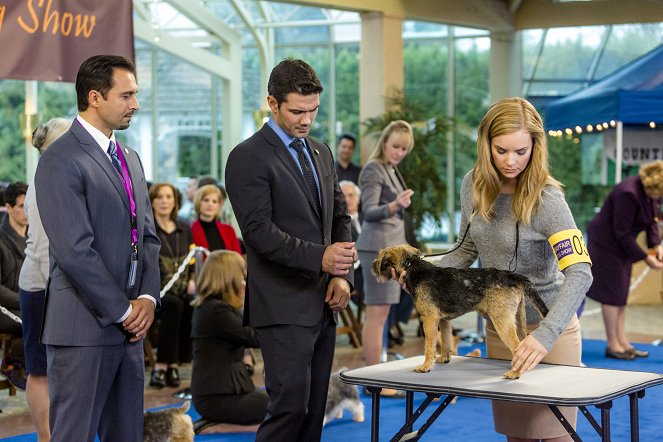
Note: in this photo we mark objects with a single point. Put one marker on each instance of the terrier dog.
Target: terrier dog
(341, 396)
(168, 425)
(441, 294)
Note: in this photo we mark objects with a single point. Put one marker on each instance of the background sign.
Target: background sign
(641, 145)
(47, 40)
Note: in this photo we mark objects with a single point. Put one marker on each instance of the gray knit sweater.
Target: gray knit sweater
(493, 243)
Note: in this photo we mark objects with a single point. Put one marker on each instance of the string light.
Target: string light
(652, 125)
(590, 128)
(578, 129)
(612, 123)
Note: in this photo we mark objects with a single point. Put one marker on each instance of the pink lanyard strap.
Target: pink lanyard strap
(126, 180)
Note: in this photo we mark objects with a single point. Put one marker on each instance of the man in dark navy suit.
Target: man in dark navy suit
(293, 218)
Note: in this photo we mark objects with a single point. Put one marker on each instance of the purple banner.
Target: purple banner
(47, 40)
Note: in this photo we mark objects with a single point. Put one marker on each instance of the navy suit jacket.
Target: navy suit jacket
(284, 234)
(85, 212)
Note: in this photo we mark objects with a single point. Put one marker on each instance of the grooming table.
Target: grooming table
(552, 385)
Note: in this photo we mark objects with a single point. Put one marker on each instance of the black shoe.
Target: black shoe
(12, 369)
(619, 355)
(637, 353)
(158, 378)
(173, 377)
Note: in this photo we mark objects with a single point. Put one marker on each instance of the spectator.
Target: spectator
(207, 230)
(352, 195)
(32, 290)
(221, 383)
(13, 236)
(346, 170)
(385, 197)
(174, 342)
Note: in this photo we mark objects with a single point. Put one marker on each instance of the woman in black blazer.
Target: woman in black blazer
(221, 385)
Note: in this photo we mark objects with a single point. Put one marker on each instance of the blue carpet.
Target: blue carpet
(471, 419)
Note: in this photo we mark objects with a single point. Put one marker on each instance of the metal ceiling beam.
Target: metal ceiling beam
(200, 58)
(205, 19)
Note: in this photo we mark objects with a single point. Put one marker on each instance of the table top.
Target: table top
(482, 378)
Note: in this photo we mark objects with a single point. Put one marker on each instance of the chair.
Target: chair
(5, 343)
(351, 326)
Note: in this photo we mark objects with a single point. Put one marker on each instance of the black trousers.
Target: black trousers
(174, 344)
(240, 409)
(298, 362)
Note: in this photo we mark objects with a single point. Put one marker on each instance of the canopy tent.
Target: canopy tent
(631, 95)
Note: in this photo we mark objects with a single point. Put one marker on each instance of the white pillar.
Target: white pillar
(505, 69)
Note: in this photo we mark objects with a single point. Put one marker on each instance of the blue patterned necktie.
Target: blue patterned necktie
(115, 159)
(307, 170)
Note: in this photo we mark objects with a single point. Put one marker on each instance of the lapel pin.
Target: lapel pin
(317, 152)
(126, 151)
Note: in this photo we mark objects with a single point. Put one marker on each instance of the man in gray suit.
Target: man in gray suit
(104, 278)
(295, 225)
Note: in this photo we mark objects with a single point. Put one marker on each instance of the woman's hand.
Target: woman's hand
(402, 201)
(653, 259)
(528, 355)
(400, 279)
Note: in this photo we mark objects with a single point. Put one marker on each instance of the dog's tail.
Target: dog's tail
(531, 293)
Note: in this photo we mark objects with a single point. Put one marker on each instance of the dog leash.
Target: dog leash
(513, 258)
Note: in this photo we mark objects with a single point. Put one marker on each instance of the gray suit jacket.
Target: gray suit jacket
(284, 234)
(379, 186)
(85, 212)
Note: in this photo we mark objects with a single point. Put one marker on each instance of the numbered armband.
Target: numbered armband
(569, 248)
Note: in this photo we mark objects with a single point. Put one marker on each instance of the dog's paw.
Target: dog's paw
(442, 359)
(423, 368)
(512, 374)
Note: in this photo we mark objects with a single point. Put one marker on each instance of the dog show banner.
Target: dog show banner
(640, 145)
(47, 40)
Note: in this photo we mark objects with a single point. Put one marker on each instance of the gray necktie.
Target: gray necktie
(307, 170)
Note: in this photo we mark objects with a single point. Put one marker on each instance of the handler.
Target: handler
(516, 218)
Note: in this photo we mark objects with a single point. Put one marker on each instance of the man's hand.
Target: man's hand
(140, 319)
(338, 294)
(528, 355)
(338, 258)
(400, 279)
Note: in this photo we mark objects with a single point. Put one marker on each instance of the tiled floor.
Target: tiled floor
(644, 324)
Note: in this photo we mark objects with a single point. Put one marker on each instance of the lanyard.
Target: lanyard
(126, 181)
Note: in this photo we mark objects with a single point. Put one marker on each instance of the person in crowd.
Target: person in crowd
(32, 290)
(104, 262)
(633, 206)
(352, 195)
(187, 213)
(13, 235)
(384, 198)
(346, 170)
(514, 217)
(174, 342)
(207, 230)
(221, 384)
(294, 222)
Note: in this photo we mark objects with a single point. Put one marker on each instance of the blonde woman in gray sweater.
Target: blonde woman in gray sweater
(517, 219)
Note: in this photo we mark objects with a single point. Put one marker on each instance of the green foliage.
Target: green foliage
(194, 155)
(12, 146)
(583, 199)
(422, 169)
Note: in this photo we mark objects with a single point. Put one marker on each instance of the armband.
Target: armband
(569, 248)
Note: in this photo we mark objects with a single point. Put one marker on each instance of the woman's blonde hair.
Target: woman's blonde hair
(505, 117)
(48, 132)
(222, 277)
(651, 175)
(395, 126)
(204, 191)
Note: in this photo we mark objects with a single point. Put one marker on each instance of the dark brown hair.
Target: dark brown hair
(96, 74)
